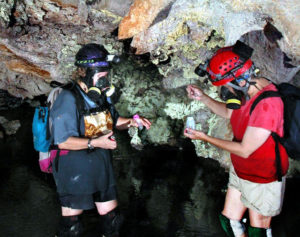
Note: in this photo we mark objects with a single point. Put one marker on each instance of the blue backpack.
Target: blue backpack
(40, 125)
(290, 96)
(42, 140)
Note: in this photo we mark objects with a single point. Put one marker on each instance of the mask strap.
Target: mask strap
(110, 91)
(95, 89)
(237, 87)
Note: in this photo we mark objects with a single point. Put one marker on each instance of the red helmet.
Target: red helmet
(226, 66)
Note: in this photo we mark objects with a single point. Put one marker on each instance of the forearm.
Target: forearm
(253, 139)
(230, 146)
(217, 107)
(123, 123)
(74, 143)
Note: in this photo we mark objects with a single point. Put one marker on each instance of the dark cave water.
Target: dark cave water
(163, 191)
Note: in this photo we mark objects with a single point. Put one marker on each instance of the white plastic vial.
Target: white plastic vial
(190, 122)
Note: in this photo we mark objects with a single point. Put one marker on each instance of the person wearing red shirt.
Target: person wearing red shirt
(253, 184)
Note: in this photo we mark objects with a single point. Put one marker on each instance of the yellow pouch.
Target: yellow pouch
(98, 124)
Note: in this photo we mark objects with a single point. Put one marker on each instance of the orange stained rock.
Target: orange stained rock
(139, 44)
(16, 14)
(65, 4)
(140, 16)
(5, 50)
(22, 66)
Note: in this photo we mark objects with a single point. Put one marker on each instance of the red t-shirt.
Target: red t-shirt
(260, 166)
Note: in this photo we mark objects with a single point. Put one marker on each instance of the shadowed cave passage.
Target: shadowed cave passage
(163, 190)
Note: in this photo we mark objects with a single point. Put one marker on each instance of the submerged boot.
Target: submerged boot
(259, 232)
(70, 226)
(111, 223)
(232, 228)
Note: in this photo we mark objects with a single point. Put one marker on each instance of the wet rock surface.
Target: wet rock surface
(38, 41)
(163, 191)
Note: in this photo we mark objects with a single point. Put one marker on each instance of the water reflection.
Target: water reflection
(163, 191)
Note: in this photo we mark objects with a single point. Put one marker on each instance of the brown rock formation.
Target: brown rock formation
(22, 66)
(141, 15)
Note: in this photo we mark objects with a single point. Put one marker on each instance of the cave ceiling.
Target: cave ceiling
(39, 38)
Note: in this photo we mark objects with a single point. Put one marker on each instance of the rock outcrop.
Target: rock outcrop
(38, 41)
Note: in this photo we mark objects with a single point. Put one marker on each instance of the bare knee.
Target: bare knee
(66, 211)
(233, 207)
(105, 207)
(258, 220)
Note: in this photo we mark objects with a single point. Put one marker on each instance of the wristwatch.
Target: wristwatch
(90, 146)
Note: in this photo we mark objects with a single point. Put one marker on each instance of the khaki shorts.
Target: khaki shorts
(265, 199)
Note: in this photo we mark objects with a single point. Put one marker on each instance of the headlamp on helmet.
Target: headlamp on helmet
(95, 55)
(200, 70)
(98, 62)
(227, 64)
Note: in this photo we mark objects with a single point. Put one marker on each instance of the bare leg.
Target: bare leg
(105, 207)
(66, 211)
(70, 224)
(258, 220)
(234, 209)
(110, 218)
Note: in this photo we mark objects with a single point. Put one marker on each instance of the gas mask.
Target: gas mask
(101, 89)
(233, 100)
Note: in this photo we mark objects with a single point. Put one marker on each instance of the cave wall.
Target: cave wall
(38, 41)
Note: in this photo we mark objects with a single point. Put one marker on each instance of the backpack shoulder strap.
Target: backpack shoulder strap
(265, 94)
(52, 96)
(73, 88)
(79, 102)
(78, 98)
(278, 159)
(70, 86)
(57, 89)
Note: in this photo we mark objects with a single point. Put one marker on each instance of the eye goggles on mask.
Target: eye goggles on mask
(247, 75)
(103, 84)
(101, 88)
(90, 72)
